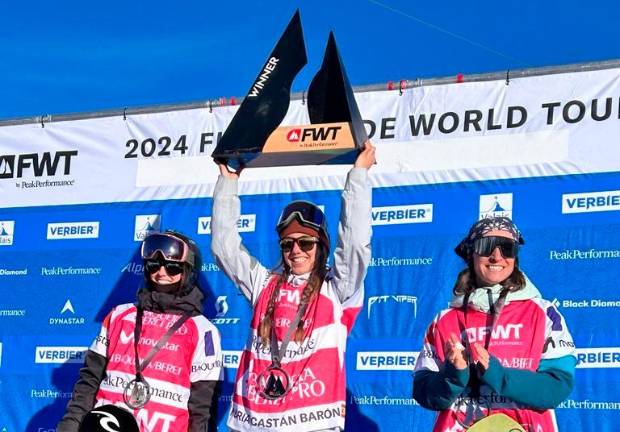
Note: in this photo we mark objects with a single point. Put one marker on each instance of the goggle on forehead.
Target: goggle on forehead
(170, 247)
(306, 212)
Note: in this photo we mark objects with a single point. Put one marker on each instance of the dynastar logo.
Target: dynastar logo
(401, 299)
(146, 225)
(37, 164)
(6, 232)
(496, 205)
(263, 77)
(67, 316)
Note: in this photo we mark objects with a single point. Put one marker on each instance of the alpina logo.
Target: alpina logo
(6, 232)
(146, 225)
(293, 135)
(496, 205)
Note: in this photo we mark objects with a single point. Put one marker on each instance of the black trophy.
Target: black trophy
(336, 133)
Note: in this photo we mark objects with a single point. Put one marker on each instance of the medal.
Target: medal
(277, 382)
(137, 393)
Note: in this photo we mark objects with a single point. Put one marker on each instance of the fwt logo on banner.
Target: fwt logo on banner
(146, 225)
(246, 223)
(221, 306)
(398, 298)
(589, 202)
(6, 232)
(40, 164)
(496, 205)
(72, 230)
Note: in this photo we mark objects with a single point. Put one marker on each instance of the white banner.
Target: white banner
(537, 126)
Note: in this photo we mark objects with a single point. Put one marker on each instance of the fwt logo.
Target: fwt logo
(146, 225)
(496, 205)
(40, 164)
(6, 232)
(398, 298)
(589, 202)
(221, 307)
(246, 223)
(72, 230)
(323, 133)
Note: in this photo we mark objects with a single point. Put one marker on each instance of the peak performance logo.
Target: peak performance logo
(37, 164)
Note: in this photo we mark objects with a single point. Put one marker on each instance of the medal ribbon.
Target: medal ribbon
(160, 343)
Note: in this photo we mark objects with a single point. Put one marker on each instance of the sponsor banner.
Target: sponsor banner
(591, 202)
(70, 271)
(598, 358)
(386, 360)
(393, 300)
(589, 405)
(246, 223)
(585, 303)
(496, 205)
(59, 354)
(72, 230)
(471, 131)
(583, 254)
(145, 225)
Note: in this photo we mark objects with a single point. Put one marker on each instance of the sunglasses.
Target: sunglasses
(305, 243)
(171, 248)
(484, 246)
(172, 268)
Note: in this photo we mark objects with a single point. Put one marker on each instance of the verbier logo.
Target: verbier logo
(72, 230)
(246, 223)
(588, 202)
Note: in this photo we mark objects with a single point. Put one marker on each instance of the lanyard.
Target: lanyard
(160, 343)
(278, 354)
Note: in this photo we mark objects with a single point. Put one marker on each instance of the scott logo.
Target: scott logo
(313, 134)
(47, 163)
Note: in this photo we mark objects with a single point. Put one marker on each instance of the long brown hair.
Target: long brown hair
(467, 282)
(312, 288)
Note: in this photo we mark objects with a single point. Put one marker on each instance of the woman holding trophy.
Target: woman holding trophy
(291, 376)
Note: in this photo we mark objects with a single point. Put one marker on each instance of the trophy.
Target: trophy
(336, 133)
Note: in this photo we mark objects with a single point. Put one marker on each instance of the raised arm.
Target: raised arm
(352, 253)
(230, 254)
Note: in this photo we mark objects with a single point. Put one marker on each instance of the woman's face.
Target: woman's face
(495, 268)
(165, 282)
(297, 260)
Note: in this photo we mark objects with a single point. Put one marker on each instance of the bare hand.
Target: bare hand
(481, 356)
(454, 352)
(226, 172)
(366, 158)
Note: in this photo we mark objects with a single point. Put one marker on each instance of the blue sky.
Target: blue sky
(69, 56)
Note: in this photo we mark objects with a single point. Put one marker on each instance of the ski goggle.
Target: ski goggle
(306, 212)
(484, 246)
(173, 268)
(305, 243)
(169, 246)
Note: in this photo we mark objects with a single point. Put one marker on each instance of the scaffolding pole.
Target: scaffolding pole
(399, 85)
